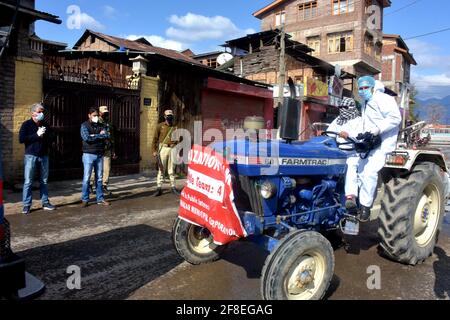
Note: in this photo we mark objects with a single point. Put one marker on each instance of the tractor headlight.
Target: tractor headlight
(268, 190)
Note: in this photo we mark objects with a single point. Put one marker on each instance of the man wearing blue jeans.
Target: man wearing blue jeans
(37, 137)
(94, 138)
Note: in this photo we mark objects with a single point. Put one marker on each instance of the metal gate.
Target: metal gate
(67, 105)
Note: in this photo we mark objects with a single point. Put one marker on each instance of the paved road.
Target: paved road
(125, 252)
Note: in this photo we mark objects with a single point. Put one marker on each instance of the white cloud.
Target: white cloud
(429, 55)
(159, 41)
(109, 12)
(432, 86)
(432, 74)
(193, 28)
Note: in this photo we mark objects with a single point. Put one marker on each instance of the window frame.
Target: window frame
(314, 42)
(307, 7)
(349, 4)
(335, 41)
(282, 15)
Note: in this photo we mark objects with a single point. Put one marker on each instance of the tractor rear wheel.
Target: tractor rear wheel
(194, 244)
(299, 268)
(412, 211)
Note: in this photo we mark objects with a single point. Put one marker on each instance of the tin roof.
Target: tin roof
(37, 15)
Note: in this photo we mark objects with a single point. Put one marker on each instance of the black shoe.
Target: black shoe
(49, 207)
(26, 210)
(365, 214)
(175, 191)
(158, 193)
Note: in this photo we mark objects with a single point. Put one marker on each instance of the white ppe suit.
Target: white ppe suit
(353, 128)
(380, 116)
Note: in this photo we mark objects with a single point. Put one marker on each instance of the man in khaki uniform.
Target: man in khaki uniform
(163, 148)
(109, 149)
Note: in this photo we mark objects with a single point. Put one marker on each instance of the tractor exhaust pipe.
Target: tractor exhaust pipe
(289, 115)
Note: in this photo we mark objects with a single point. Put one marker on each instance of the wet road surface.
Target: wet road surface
(125, 252)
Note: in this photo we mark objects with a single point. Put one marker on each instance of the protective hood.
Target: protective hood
(379, 87)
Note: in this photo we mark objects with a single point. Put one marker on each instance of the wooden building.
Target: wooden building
(344, 32)
(257, 57)
(138, 82)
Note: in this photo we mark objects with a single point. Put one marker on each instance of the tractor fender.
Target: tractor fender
(417, 156)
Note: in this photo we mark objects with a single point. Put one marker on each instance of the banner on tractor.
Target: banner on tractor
(208, 199)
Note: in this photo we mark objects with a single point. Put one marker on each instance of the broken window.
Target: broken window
(342, 6)
(340, 42)
(307, 10)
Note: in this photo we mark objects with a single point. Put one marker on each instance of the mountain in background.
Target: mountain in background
(422, 109)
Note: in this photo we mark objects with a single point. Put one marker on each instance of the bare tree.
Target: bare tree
(435, 113)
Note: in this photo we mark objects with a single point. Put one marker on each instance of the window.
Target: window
(342, 6)
(280, 18)
(298, 79)
(340, 42)
(378, 50)
(212, 63)
(368, 45)
(307, 10)
(314, 43)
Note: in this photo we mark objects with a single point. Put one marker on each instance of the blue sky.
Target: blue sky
(203, 25)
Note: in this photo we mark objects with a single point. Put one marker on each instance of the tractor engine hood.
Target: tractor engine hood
(318, 156)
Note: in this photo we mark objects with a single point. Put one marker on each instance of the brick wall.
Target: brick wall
(28, 90)
(149, 120)
(324, 24)
(7, 72)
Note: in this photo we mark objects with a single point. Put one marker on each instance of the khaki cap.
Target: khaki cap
(103, 109)
(168, 113)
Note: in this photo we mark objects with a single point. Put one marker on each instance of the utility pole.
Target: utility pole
(282, 68)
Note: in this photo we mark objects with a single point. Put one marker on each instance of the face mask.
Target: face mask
(95, 119)
(40, 116)
(366, 94)
(169, 119)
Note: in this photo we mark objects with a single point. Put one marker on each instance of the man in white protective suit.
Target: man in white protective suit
(349, 124)
(380, 118)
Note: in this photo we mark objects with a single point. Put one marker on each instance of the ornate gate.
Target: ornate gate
(67, 104)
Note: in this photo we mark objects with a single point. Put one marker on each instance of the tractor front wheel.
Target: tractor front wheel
(299, 268)
(412, 211)
(194, 244)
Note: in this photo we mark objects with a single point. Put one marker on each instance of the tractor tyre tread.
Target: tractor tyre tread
(396, 219)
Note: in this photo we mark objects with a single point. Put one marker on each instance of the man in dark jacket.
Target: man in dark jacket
(94, 138)
(37, 136)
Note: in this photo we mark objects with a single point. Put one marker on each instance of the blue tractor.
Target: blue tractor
(291, 209)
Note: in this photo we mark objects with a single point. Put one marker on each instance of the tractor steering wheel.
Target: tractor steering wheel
(350, 142)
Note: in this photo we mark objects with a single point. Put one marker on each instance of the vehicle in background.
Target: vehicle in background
(15, 282)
